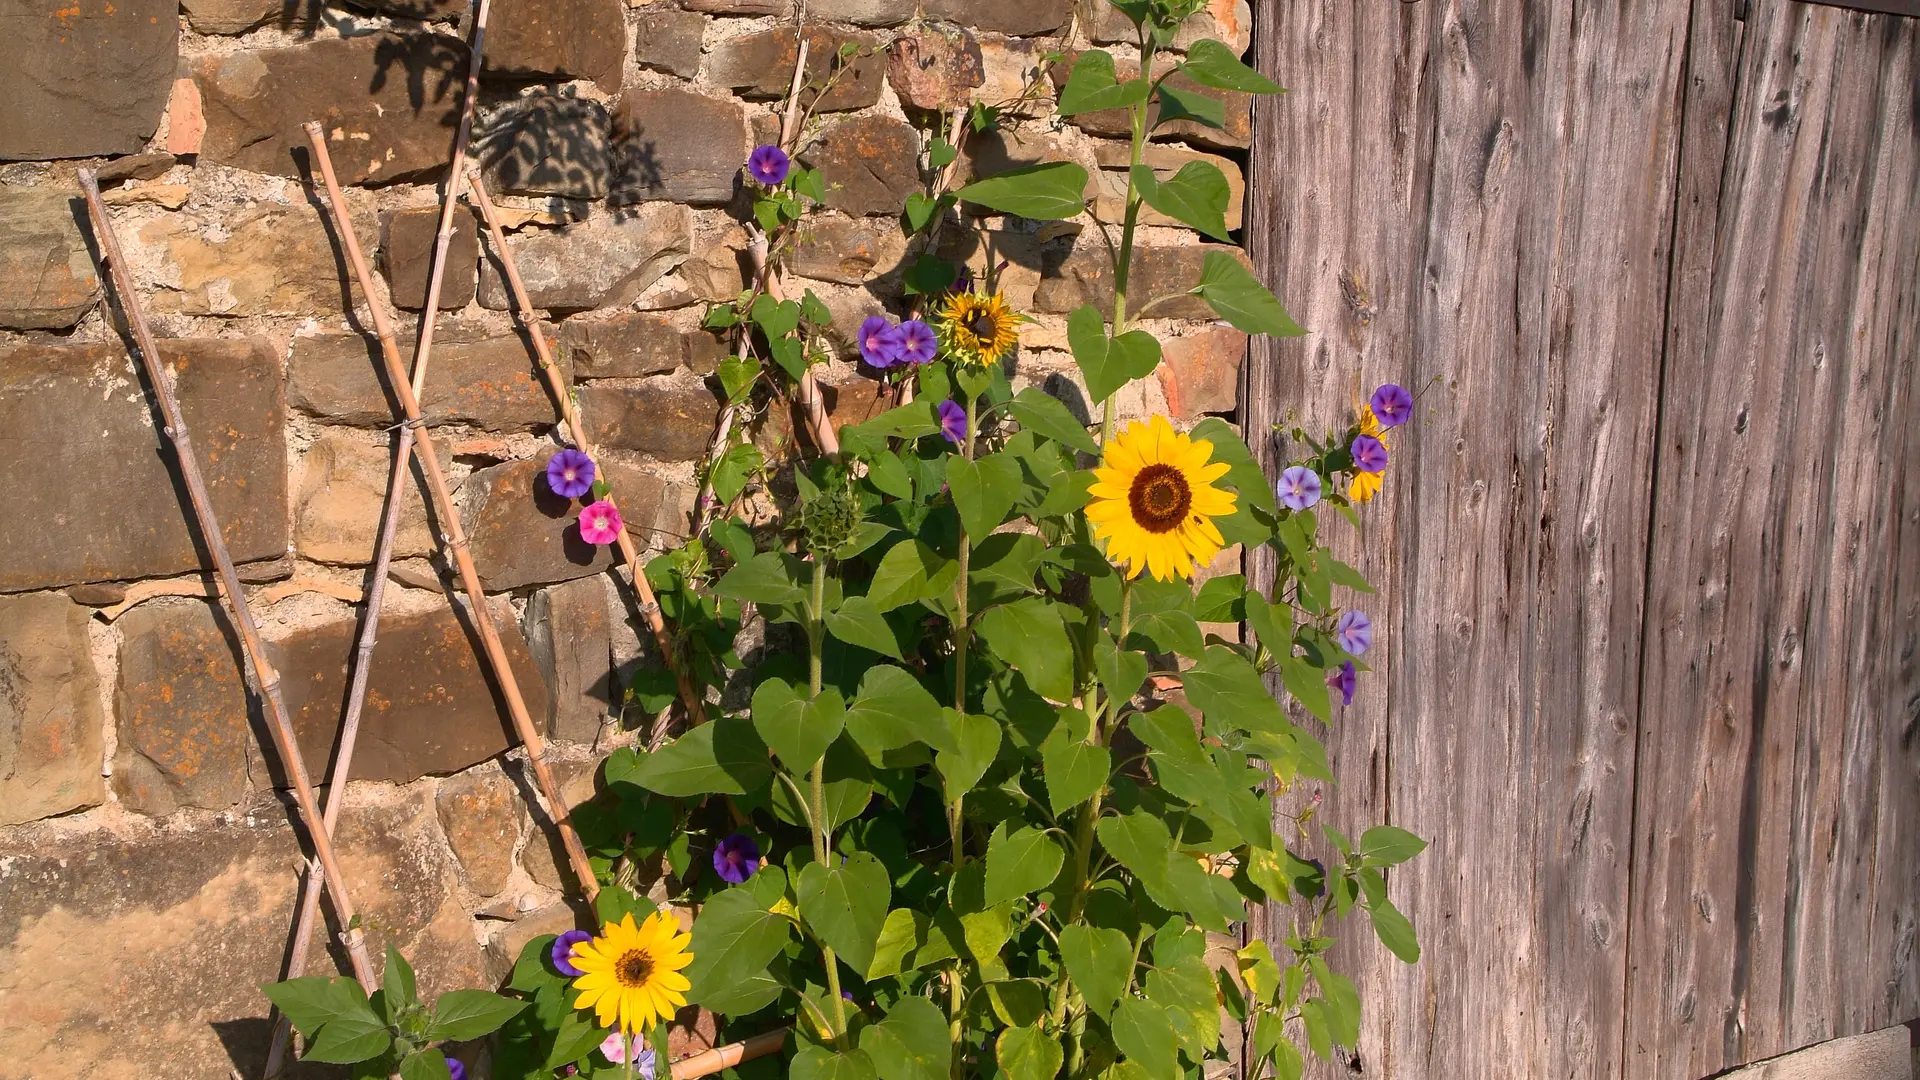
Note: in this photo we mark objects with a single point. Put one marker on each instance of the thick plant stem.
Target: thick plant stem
(816, 641)
(962, 640)
(577, 428)
(455, 542)
(1123, 261)
(266, 679)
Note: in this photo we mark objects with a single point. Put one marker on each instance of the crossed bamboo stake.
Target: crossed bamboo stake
(265, 678)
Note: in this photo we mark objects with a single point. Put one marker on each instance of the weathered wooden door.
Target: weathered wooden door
(1649, 555)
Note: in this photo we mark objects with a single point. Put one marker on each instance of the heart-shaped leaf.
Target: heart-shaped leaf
(1236, 296)
(1044, 192)
(1198, 195)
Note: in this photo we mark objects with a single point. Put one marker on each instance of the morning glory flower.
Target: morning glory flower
(570, 474)
(600, 523)
(1343, 679)
(1369, 454)
(736, 858)
(1354, 632)
(953, 422)
(881, 342)
(1299, 488)
(562, 952)
(1392, 405)
(919, 344)
(769, 165)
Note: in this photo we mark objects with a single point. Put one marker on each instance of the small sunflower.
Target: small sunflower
(1365, 485)
(632, 976)
(1154, 501)
(978, 328)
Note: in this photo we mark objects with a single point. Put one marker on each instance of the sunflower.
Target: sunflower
(1154, 501)
(978, 328)
(632, 976)
(1365, 485)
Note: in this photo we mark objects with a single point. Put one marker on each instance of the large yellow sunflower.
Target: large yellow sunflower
(978, 328)
(1365, 485)
(1154, 501)
(632, 976)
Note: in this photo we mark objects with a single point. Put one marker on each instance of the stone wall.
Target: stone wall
(148, 868)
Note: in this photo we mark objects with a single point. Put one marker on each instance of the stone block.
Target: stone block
(1085, 276)
(431, 706)
(181, 710)
(636, 344)
(761, 66)
(407, 239)
(851, 251)
(488, 382)
(669, 40)
(570, 631)
(50, 725)
(1166, 161)
(582, 39)
(1015, 18)
(263, 260)
(545, 143)
(240, 16)
(84, 80)
(84, 406)
(197, 919)
(1200, 373)
(504, 948)
(524, 534)
(935, 70)
(388, 101)
(480, 815)
(605, 261)
(863, 12)
(336, 517)
(675, 144)
(47, 276)
(669, 420)
(872, 163)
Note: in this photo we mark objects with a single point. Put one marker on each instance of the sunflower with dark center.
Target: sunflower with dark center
(978, 328)
(1154, 502)
(631, 976)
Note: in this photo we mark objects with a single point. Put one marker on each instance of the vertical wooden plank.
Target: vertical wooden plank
(1766, 911)
(1479, 196)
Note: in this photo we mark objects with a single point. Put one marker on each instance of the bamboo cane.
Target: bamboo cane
(265, 678)
(812, 405)
(455, 538)
(570, 413)
(451, 197)
(708, 1062)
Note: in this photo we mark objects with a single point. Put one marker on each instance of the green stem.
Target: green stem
(962, 640)
(816, 637)
(1123, 261)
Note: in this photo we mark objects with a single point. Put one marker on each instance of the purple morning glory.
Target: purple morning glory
(953, 422)
(570, 474)
(736, 858)
(1354, 631)
(1299, 488)
(769, 165)
(1343, 680)
(918, 343)
(1392, 405)
(881, 342)
(562, 953)
(456, 1069)
(1369, 454)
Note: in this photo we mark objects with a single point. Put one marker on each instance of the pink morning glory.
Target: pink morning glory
(881, 342)
(769, 165)
(1369, 454)
(570, 474)
(1299, 488)
(918, 343)
(600, 523)
(953, 422)
(616, 1048)
(1392, 405)
(1354, 632)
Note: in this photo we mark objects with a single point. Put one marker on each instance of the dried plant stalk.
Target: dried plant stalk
(570, 413)
(812, 406)
(265, 678)
(455, 539)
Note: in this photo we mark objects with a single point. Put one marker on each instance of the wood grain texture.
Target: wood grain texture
(1778, 796)
(1574, 231)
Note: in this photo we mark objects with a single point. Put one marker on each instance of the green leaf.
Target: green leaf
(397, 981)
(315, 1000)
(733, 470)
(1228, 692)
(1100, 962)
(1029, 1053)
(1107, 364)
(1385, 845)
(771, 577)
(1198, 195)
(1040, 411)
(1121, 671)
(942, 153)
(1339, 1001)
(1305, 682)
(775, 318)
(1007, 559)
(1212, 63)
(846, 905)
(1093, 86)
(1029, 635)
(1177, 104)
(576, 1038)
(983, 491)
(858, 622)
(1144, 1033)
(909, 421)
(1238, 297)
(425, 1065)
(616, 902)
(814, 310)
(734, 938)
(723, 757)
(911, 571)
(819, 1063)
(1018, 1002)
(1044, 192)
(929, 276)
(737, 375)
(912, 1043)
(796, 729)
(1171, 632)
(893, 710)
(346, 1041)
(1073, 769)
(1393, 929)
(1022, 861)
(1185, 770)
(1287, 1062)
(920, 210)
(976, 742)
(908, 940)
(1221, 600)
(468, 1014)
(1185, 989)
